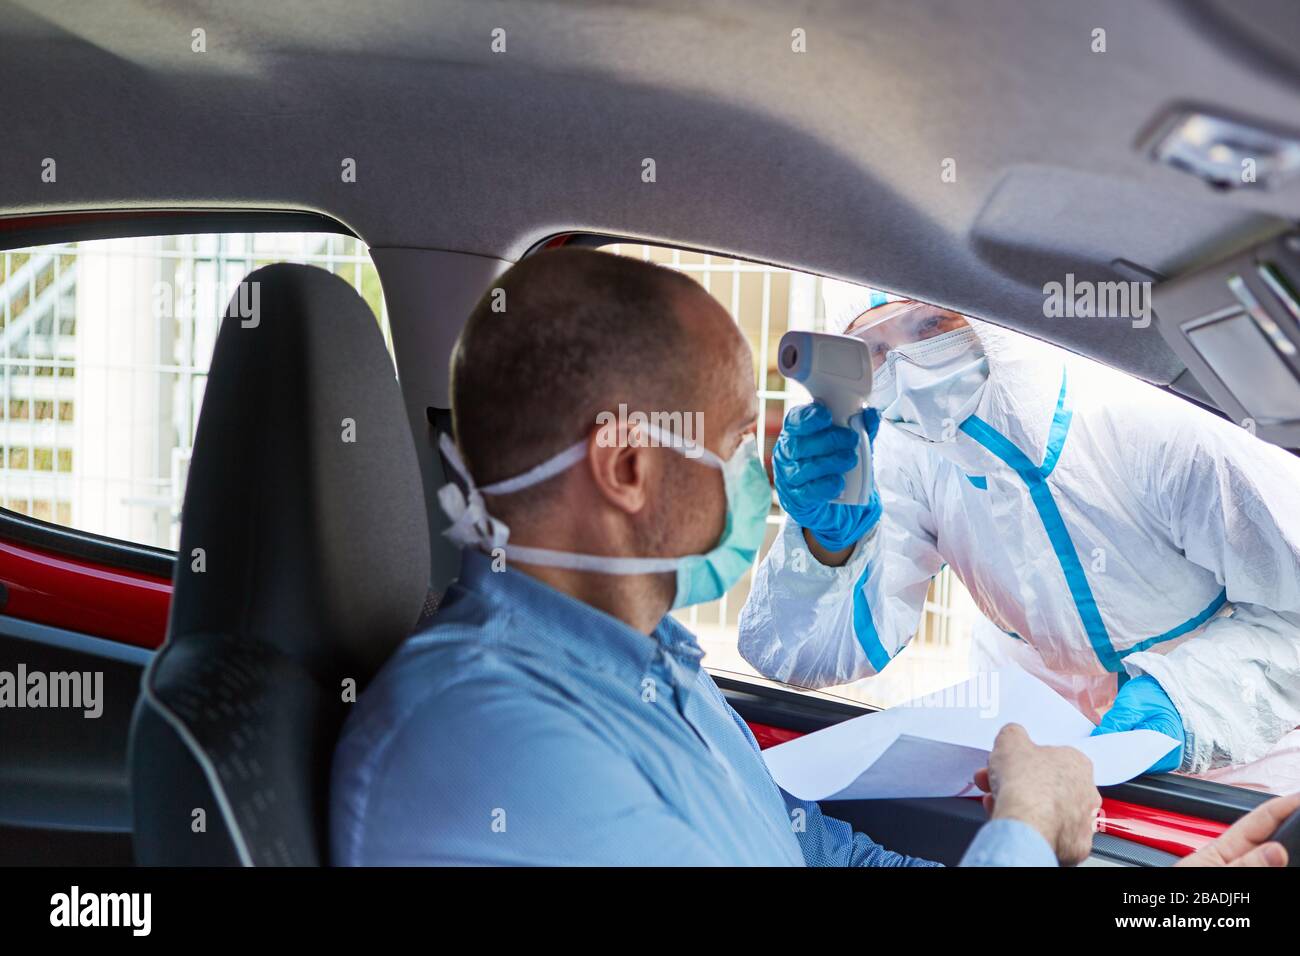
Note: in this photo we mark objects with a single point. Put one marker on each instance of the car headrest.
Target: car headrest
(304, 522)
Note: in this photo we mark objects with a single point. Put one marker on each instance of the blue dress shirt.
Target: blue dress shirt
(525, 727)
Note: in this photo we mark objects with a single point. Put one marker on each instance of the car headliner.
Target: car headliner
(827, 161)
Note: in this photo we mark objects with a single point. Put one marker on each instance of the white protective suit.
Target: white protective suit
(1101, 525)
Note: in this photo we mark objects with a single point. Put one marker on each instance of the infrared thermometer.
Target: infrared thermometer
(836, 371)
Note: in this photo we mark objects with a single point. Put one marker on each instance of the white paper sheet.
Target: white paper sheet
(932, 746)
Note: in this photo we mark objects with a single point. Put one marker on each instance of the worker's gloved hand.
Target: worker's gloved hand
(1142, 704)
(809, 461)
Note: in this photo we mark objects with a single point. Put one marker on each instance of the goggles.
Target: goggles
(907, 323)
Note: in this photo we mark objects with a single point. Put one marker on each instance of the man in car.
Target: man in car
(1138, 554)
(552, 712)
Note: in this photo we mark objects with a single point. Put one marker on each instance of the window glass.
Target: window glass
(766, 302)
(104, 359)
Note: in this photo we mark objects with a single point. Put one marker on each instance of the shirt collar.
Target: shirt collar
(584, 631)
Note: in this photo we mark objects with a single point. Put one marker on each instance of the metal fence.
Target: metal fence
(104, 355)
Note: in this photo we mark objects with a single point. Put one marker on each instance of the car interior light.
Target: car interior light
(1227, 153)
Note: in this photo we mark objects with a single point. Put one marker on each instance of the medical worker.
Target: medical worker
(1138, 554)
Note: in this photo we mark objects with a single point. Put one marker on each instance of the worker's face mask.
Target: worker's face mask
(700, 577)
(930, 387)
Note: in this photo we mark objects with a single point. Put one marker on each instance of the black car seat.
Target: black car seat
(303, 563)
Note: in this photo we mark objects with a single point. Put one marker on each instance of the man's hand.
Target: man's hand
(1245, 843)
(1049, 788)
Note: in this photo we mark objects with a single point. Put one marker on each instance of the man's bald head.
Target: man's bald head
(581, 332)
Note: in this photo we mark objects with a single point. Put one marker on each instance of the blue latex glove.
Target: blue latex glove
(1142, 704)
(809, 461)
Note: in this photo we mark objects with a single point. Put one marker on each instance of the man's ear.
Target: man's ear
(621, 472)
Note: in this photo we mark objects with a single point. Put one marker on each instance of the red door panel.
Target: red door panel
(81, 596)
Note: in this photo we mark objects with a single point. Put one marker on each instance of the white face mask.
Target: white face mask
(930, 387)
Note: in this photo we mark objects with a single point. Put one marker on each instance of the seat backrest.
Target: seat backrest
(303, 563)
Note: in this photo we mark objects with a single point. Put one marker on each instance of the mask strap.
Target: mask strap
(470, 522)
(692, 450)
(603, 564)
(539, 473)
(472, 525)
(591, 562)
(570, 456)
